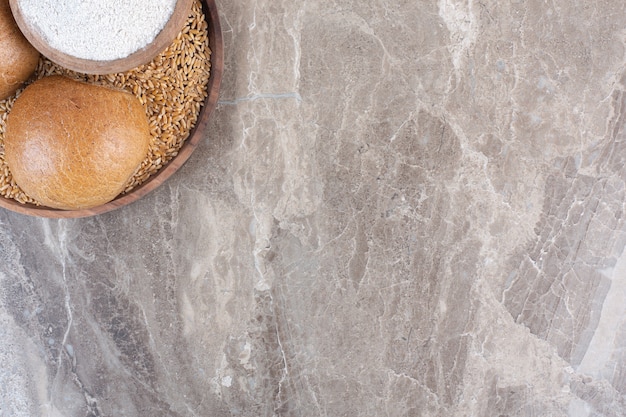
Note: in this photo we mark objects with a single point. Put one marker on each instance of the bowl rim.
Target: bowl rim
(89, 66)
(216, 44)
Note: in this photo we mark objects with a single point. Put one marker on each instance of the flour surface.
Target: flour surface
(99, 30)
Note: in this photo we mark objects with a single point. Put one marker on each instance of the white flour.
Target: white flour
(99, 30)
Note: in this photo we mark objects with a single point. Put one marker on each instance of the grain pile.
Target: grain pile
(172, 89)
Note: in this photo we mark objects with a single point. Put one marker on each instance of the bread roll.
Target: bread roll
(72, 145)
(18, 58)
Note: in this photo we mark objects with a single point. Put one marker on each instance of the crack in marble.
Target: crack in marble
(58, 244)
(461, 23)
(261, 96)
(285, 367)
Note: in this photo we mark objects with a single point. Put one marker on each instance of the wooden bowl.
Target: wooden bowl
(196, 134)
(87, 66)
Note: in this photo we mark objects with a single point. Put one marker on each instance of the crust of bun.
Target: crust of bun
(18, 58)
(72, 145)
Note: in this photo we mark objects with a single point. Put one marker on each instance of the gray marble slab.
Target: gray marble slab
(400, 208)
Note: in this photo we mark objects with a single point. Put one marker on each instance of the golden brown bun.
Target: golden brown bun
(18, 58)
(72, 145)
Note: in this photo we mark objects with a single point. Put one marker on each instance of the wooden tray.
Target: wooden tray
(196, 134)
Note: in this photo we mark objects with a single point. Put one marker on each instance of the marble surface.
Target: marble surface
(401, 208)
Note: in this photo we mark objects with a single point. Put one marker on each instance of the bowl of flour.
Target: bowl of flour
(100, 36)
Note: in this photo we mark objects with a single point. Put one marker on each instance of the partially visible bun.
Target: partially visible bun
(18, 58)
(72, 145)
